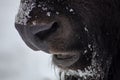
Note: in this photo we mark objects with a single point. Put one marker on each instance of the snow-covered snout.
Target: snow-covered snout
(44, 26)
(73, 31)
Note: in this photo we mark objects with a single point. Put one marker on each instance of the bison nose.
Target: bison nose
(35, 35)
(43, 30)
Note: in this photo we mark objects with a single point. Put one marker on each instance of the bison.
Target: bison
(82, 35)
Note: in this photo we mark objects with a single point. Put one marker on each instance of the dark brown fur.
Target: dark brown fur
(89, 29)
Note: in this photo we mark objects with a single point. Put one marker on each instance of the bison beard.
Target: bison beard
(82, 35)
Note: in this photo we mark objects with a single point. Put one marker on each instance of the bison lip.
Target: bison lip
(63, 57)
(65, 61)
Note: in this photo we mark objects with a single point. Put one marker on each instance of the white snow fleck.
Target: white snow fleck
(44, 8)
(87, 72)
(85, 51)
(34, 22)
(48, 14)
(94, 54)
(90, 47)
(93, 71)
(71, 10)
(57, 13)
(39, 5)
(90, 71)
(85, 28)
(23, 13)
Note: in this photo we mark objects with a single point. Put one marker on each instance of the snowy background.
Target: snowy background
(17, 61)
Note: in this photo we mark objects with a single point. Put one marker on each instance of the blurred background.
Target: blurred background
(17, 61)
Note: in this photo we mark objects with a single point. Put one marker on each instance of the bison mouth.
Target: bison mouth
(65, 60)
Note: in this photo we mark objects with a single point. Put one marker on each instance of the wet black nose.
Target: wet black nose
(34, 35)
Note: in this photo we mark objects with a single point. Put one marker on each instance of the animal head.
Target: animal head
(80, 34)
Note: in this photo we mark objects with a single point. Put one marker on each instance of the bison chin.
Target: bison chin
(82, 65)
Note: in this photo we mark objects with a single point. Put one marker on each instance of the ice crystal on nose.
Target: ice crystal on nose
(24, 11)
(69, 9)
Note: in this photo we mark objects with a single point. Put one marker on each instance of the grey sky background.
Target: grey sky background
(17, 61)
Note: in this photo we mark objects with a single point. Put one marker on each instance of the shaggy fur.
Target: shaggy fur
(82, 35)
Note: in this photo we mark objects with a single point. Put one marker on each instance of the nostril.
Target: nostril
(47, 32)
